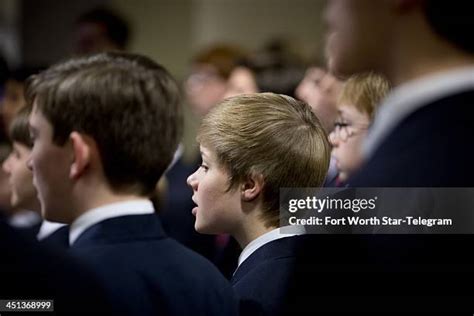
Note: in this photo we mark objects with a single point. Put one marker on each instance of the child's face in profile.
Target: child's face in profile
(347, 137)
(21, 178)
(217, 208)
(51, 165)
(320, 90)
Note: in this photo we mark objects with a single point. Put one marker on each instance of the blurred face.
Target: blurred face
(309, 87)
(204, 88)
(50, 164)
(358, 35)
(241, 81)
(217, 210)
(23, 193)
(12, 102)
(347, 138)
(320, 90)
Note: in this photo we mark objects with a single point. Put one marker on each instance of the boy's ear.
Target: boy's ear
(81, 150)
(252, 187)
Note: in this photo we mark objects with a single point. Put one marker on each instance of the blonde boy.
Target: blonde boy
(251, 146)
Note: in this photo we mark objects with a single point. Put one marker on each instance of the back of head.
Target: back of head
(128, 104)
(271, 135)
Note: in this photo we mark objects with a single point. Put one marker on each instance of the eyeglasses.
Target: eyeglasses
(344, 131)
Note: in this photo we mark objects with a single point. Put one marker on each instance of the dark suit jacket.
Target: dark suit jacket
(262, 281)
(59, 239)
(31, 231)
(30, 271)
(362, 274)
(430, 148)
(147, 273)
(309, 274)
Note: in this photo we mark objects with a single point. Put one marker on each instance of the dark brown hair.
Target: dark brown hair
(19, 131)
(127, 103)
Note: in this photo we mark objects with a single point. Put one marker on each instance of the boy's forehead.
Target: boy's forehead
(206, 151)
(350, 111)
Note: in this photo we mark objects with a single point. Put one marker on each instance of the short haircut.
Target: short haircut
(271, 135)
(127, 103)
(19, 131)
(116, 27)
(452, 20)
(365, 92)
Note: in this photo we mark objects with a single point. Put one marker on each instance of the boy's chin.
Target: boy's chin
(205, 229)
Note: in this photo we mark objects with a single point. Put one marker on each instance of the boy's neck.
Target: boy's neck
(99, 195)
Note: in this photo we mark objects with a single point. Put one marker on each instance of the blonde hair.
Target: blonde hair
(364, 91)
(271, 135)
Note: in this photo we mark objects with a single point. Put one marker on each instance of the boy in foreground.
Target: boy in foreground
(104, 129)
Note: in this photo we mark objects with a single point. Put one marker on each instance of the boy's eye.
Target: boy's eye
(204, 167)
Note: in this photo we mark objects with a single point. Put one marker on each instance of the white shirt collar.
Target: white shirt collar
(411, 96)
(99, 214)
(266, 238)
(47, 228)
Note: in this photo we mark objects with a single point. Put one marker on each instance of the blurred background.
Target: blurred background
(37, 33)
(40, 32)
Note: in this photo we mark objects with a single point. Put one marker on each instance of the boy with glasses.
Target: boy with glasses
(360, 97)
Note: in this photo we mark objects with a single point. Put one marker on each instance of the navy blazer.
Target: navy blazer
(381, 274)
(30, 271)
(302, 274)
(262, 281)
(432, 147)
(59, 239)
(147, 273)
